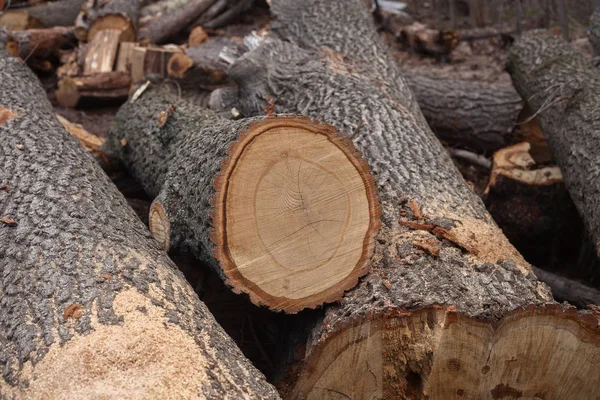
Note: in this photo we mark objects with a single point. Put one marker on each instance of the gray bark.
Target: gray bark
(563, 89)
(565, 289)
(74, 249)
(479, 115)
(198, 138)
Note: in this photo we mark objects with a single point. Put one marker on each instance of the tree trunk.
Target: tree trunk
(48, 15)
(479, 115)
(120, 15)
(91, 306)
(563, 90)
(287, 199)
(438, 251)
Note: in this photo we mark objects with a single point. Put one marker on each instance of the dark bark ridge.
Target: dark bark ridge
(76, 248)
(563, 89)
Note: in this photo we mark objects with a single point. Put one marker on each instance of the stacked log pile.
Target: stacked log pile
(306, 171)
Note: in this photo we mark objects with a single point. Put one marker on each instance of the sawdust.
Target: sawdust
(145, 357)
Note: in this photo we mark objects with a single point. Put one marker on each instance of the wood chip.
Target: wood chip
(431, 246)
(269, 109)
(6, 115)
(416, 210)
(8, 222)
(73, 311)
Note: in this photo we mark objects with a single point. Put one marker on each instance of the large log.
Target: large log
(286, 208)
(563, 90)
(482, 116)
(91, 307)
(433, 317)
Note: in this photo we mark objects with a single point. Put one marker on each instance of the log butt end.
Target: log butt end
(296, 212)
(437, 353)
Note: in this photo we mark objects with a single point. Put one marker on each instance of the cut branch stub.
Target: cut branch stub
(295, 213)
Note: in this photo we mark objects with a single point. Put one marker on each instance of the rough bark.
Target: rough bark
(172, 20)
(36, 42)
(438, 247)
(96, 16)
(91, 306)
(188, 159)
(479, 115)
(48, 15)
(563, 89)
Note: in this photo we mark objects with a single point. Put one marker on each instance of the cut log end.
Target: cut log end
(160, 227)
(116, 22)
(307, 233)
(179, 64)
(515, 162)
(436, 353)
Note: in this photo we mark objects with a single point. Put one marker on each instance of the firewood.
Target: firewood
(91, 307)
(563, 90)
(120, 15)
(400, 333)
(113, 85)
(288, 199)
(172, 20)
(203, 66)
(419, 38)
(565, 289)
(47, 15)
(479, 115)
(36, 42)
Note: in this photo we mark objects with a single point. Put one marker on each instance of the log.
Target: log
(293, 208)
(173, 20)
(532, 206)
(594, 36)
(36, 42)
(434, 42)
(47, 15)
(109, 85)
(120, 15)
(438, 303)
(91, 306)
(203, 66)
(563, 90)
(478, 115)
(565, 289)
